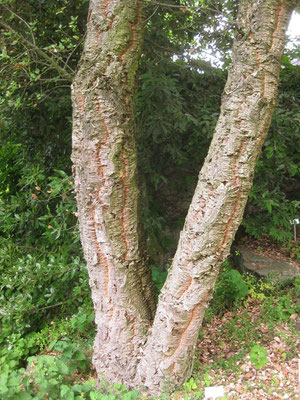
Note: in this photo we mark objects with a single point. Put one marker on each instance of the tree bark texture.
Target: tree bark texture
(221, 194)
(104, 157)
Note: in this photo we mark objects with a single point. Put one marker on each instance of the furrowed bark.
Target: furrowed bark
(221, 194)
(104, 158)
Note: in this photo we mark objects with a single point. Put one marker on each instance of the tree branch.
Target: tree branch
(40, 52)
(183, 8)
(21, 19)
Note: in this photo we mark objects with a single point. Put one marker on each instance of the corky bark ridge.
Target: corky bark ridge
(104, 158)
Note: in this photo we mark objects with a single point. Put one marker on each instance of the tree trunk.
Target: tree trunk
(104, 157)
(220, 197)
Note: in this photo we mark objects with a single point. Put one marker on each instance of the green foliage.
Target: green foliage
(273, 200)
(35, 99)
(36, 210)
(34, 290)
(176, 114)
(48, 375)
(280, 308)
(159, 276)
(259, 288)
(177, 108)
(276, 212)
(58, 375)
(230, 290)
(294, 251)
(258, 356)
(190, 385)
(171, 121)
(279, 301)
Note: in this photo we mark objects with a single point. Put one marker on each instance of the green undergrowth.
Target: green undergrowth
(47, 328)
(246, 326)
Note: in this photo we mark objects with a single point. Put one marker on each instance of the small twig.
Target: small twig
(34, 309)
(75, 48)
(53, 305)
(47, 94)
(37, 249)
(183, 7)
(169, 50)
(21, 19)
(156, 8)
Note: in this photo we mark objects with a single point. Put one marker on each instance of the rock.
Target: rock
(248, 261)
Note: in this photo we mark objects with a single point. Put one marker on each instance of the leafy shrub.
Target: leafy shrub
(58, 375)
(47, 375)
(273, 200)
(259, 288)
(31, 288)
(280, 308)
(274, 216)
(230, 290)
(35, 290)
(38, 211)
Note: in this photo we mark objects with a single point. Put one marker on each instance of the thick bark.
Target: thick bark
(104, 157)
(221, 194)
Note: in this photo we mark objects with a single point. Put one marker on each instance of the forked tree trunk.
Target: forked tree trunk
(104, 158)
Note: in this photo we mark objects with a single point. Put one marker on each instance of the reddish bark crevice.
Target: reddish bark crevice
(104, 7)
(186, 288)
(123, 219)
(192, 324)
(102, 120)
(229, 224)
(101, 169)
(109, 18)
(80, 101)
(279, 15)
(185, 331)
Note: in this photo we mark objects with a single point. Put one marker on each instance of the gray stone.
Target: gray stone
(248, 261)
